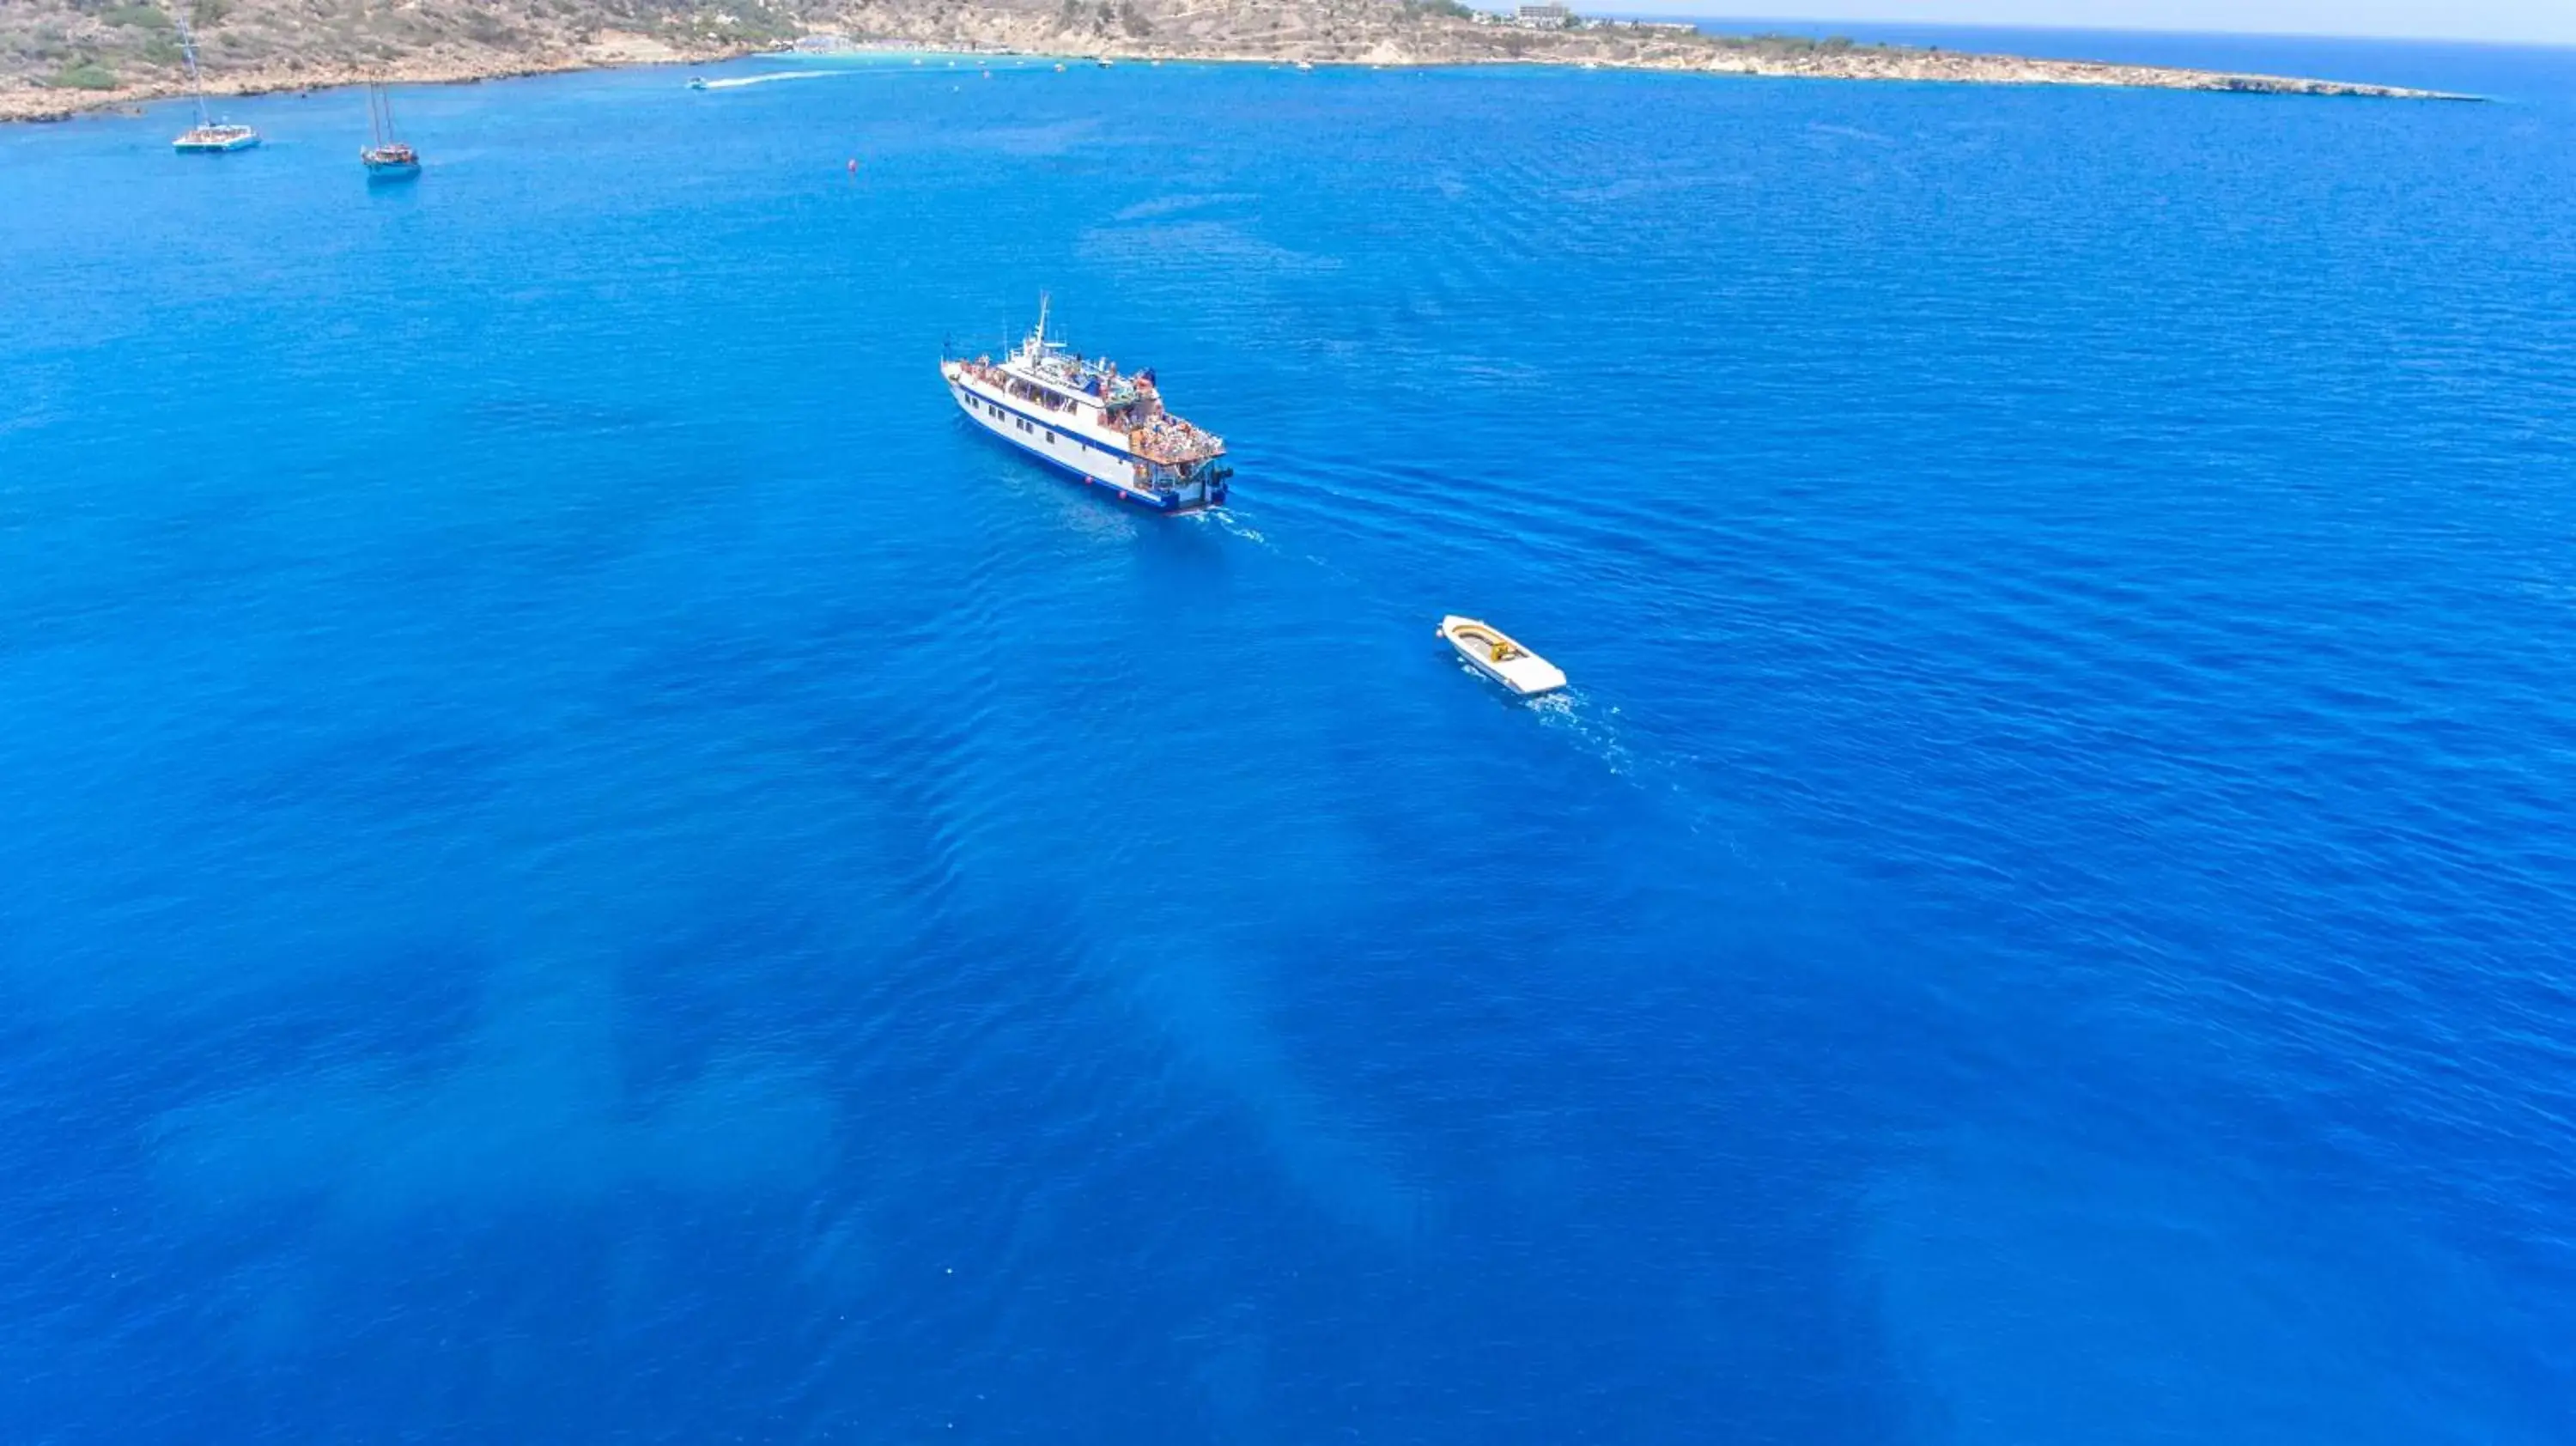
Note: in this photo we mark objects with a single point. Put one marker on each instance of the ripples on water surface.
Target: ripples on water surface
(581, 859)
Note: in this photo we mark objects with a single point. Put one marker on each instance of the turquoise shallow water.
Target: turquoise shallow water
(585, 860)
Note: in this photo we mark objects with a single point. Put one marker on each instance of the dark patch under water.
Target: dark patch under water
(583, 860)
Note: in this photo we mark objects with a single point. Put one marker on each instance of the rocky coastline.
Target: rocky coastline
(33, 103)
(120, 58)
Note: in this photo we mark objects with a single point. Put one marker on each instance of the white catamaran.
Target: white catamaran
(1085, 416)
(206, 137)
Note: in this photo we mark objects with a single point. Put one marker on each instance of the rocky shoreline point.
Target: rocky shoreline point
(61, 57)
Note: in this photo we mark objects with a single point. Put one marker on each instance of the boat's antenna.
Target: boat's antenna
(196, 82)
(1043, 300)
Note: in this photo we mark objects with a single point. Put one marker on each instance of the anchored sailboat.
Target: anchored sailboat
(206, 136)
(388, 159)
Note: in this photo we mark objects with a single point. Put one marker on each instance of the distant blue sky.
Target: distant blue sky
(2542, 20)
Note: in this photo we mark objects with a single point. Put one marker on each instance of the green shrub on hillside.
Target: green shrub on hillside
(87, 75)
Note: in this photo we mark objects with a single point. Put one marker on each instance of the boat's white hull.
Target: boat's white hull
(1499, 676)
(1481, 666)
(213, 145)
(1095, 456)
(1523, 672)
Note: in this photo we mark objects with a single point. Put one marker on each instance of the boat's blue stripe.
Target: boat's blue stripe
(1147, 498)
(1048, 423)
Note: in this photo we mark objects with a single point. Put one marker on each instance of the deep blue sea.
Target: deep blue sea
(582, 859)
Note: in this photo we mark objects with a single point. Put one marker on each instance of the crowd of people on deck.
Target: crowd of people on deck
(1155, 432)
(1164, 435)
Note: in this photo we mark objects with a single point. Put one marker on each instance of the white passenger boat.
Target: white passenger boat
(1082, 414)
(1494, 653)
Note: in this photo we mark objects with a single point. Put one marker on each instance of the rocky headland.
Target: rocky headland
(58, 57)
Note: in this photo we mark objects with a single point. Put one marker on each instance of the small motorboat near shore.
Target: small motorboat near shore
(1494, 653)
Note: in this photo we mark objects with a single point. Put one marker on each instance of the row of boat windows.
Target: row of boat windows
(1122, 416)
(1023, 425)
(1052, 401)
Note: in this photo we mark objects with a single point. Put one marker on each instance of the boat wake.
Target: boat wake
(738, 82)
(1564, 712)
(1581, 720)
(1231, 519)
(1226, 519)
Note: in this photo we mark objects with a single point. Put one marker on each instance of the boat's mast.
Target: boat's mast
(196, 82)
(386, 97)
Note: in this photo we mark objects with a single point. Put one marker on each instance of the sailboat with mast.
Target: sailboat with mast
(388, 159)
(207, 136)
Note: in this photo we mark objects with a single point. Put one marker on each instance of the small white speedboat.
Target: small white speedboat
(1492, 652)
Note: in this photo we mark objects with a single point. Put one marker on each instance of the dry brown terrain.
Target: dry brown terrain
(61, 56)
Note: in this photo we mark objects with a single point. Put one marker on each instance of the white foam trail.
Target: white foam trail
(1226, 519)
(1565, 712)
(737, 82)
(1584, 722)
